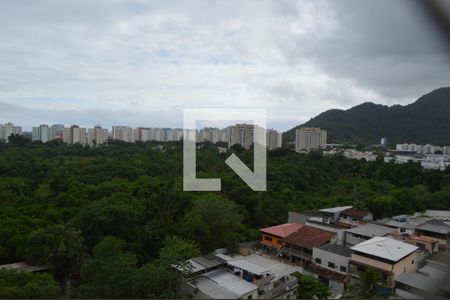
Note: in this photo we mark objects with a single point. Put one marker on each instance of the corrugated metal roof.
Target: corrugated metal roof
(333, 210)
(436, 226)
(371, 230)
(231, 282)
(249, 266)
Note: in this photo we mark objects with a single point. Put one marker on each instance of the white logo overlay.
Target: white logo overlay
(255, 179)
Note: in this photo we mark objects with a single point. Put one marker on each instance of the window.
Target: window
(412, 262)
(331, 265)
(250, 297)
(402, 230)
(318, 261)
(268, 238)
(280, 242)
(343, 269)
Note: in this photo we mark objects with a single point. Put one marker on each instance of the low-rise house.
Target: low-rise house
(272, 237)
(220, 276)
(330, 263)
(436, 229)
(424, 243)
(273, 278)
(355, 216)
(221, 284)
(429, 282)
(365, 232)
(392, 258)
(406, 224)
(334, 213)
(338, 228)
(298, 246)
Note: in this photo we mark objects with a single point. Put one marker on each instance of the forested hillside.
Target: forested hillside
(425, 121)
(114, 218)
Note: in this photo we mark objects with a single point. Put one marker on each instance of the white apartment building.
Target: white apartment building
(97, 135)
(172, 135)
(41, 133)
(7, 129)
(309, 138)
(209, 134)
(273, 139)
(122, 133)
(56, 131)
(421, 149)
(74, 135)
(144, 134)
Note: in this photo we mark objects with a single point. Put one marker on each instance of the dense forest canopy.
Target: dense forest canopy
(120, 208)
(367, 123)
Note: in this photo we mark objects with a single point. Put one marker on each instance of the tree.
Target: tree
(59, 246)
(162, 278)
(309, 287)
(22, 285)
(368, 287)
(110, 273)
(212, 223)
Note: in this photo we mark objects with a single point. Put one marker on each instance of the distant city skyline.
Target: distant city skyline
(140, 63)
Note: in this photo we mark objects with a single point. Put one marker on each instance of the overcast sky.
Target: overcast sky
(139, 63)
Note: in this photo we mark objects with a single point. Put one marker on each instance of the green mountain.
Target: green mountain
(427, 120)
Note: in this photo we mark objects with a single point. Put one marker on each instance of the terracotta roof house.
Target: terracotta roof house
(272, 237)
(354, 216)
(299, 244)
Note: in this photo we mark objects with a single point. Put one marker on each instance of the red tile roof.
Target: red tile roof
(355, 213)
(282, 230)
(309, 237)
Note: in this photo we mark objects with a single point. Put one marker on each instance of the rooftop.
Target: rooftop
(337, 249)
(333, 210)
(411, 237)
(255, 261)
(221, 284)
(282, 230)
(429, 279)
(386, 248)
(309, 237)
(436, 226)
(371, 230)
(355, 213)
(24, 267)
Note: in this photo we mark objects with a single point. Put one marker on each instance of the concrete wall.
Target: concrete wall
(327, 257)
(271, 241)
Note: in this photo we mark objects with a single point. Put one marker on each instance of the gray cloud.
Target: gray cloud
(140, 62)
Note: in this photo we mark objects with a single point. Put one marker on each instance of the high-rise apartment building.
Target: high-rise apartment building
(74, 135)
(41, 133)
(7, 129)
(123, 133)
(273, 139)
(244, 135)
(97, 135)
(209, 134)
(143, 134)
(57, 131)
(309, 138)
